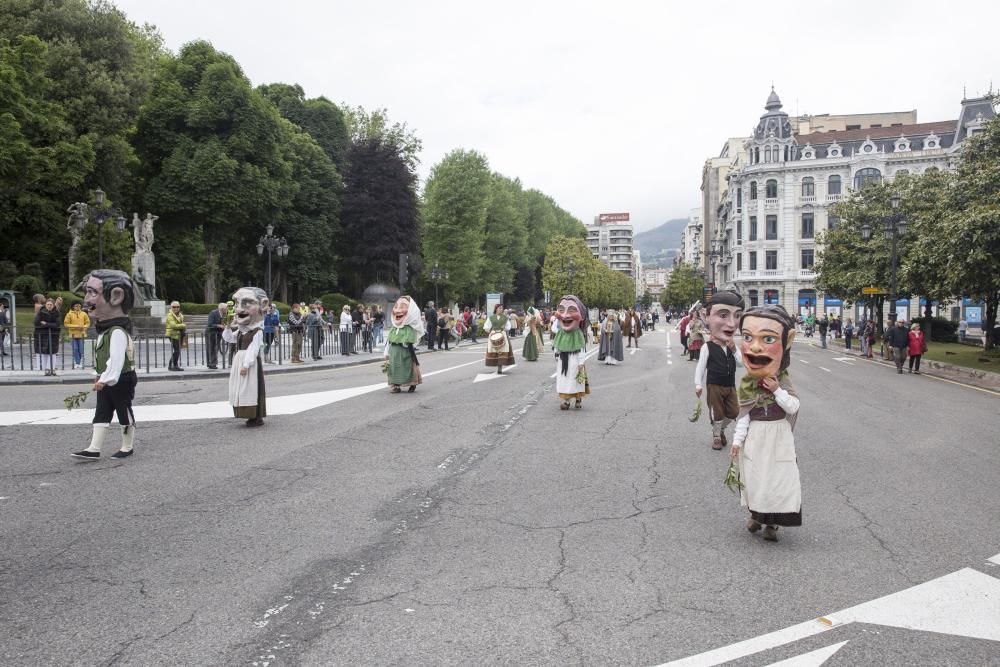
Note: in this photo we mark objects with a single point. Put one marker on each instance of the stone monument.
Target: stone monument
(144, 265)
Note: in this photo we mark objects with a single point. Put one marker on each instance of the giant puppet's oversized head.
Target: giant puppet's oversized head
(108, 294)
(400, 310)
(767, 335)
(722, 315)
(249, 309)
(572, 313)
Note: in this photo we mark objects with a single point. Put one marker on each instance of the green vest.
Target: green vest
(498, 322)
(103, 351)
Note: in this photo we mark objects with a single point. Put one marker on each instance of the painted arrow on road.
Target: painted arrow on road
(483, 377)
(844, 360)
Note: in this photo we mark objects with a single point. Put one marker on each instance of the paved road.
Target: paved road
(474, 522)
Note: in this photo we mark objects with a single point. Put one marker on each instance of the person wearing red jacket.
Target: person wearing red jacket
(916, 346)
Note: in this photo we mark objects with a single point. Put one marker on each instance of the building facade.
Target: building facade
(691, 238)
(609, 238)
(778, 200)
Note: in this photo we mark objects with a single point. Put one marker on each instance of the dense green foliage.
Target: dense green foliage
(684, 288)
(89, 99)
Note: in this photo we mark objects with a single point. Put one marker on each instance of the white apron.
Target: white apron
(242, 388)
(768, 469)
(567, 384)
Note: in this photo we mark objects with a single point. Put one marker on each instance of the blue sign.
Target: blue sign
(923, 302)
(807, 300)
(903, 302)
(974, 316)
(969, 302)
(831, 301)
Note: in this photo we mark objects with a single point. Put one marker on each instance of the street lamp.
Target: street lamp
(271, 243)
(437, 275)
(893, 227)
(98, 215)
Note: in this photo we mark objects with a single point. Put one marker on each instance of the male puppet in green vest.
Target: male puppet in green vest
(108, 296)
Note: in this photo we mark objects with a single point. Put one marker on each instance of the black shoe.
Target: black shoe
(256, 421)
(412, 389)
(214, 368)
(86, 456)
(122, 454)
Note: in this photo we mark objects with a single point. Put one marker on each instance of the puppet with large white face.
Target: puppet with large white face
(764, 444)
(246, 377)
(570, 344)
(402, 367)
(717, 360)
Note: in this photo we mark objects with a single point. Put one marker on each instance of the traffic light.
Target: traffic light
(404, 270)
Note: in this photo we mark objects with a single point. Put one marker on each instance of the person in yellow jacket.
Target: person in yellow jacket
(77, 322)
(176, 330)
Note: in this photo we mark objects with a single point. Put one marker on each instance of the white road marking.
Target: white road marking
(995, 560)
(965, 603)
(276, 405)
(825, 369)
(811, 659)
(803, 361)
(844, 360)
(483, 377)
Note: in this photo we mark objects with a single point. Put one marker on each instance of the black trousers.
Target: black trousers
(117, 400)
(175, 352)
(212, 340)
(443, 336)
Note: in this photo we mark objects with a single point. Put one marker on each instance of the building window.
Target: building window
(739, 231)
(753, 189)
(771, 189)
(808, 187)
(807, 226)
(771, 232)
(866, 176)
(753, 227)
(739, 261)
(771, 297)
(853, 127)
(832, 222)
(771, 260)
(739, 198)
(767, 154)
(833, 185)
(753, 297)
(808, 259)
(753, 260)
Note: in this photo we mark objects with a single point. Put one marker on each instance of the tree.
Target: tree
(380, 213)
(968, 247)
(455, 204)
(364, 126)
(647, 300)
(684, 288)
(213, 159)
(505, 236)
(319, 117)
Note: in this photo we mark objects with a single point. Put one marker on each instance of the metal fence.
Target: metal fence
(153, 350)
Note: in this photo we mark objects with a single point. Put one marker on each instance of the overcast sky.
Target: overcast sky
(605, 106)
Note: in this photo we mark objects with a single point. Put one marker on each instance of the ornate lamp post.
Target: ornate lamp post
(437, 275)
(893, 227)
(98, 214)
(271, 243)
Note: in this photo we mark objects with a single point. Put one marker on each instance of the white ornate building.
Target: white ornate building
(765, 241)
(691, 238)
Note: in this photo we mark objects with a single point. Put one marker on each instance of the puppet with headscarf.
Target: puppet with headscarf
(570, 345)
(405, 329)
(717, 361)
(246, 376)
(763, 443)
(499, 351)
(610, 349)
(533, 334)
(695, 332)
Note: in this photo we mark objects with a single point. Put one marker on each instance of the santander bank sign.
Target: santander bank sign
(613, 217)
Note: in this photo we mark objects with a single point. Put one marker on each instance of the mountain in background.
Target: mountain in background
(659, 246)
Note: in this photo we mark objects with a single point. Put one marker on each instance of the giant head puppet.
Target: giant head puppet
(108, 295)
(248, 303)
(572, 314)
(767, 335)
(722, 315)
(406, 312)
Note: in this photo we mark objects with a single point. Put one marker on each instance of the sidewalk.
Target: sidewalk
(961, 374)
(197, 372)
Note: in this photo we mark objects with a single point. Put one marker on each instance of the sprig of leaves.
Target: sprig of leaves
(697, 412)
(581, 375)
(385, 366)
(75, 400)
(733, 481)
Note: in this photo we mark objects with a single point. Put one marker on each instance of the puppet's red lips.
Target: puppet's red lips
(757, 360)
(568, 320)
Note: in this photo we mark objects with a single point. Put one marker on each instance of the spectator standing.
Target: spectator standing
(898, 339)
(869, 336)
(176, 329)
(824, 326)
(682, 327)
(430, 324)
(358, 320)
(272, 325)
(378, 322)
(916, 346)
(470, 323)
(77, 322)
(314, 325)
(963, 328)
(48, 331)
(848, 333)
(443, 328)
(346, 328)
(296, 328)
(213, 335)
(4, 326)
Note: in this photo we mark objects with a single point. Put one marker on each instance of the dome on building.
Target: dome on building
(773, 102)
(380, 293)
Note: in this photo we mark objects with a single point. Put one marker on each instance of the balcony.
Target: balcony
(761, 274)
(807, 199)
(834, 198)
(771, 202)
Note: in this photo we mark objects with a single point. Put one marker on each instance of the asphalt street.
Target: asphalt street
(473, 522)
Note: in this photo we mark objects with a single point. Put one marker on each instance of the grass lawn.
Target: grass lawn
(956, 354)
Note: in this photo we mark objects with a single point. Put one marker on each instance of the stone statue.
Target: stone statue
(146, 290)
(143, 230)
(77, 219)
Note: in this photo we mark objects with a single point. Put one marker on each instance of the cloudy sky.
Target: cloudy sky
(605, 106)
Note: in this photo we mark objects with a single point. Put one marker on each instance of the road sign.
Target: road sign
(874, 290)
